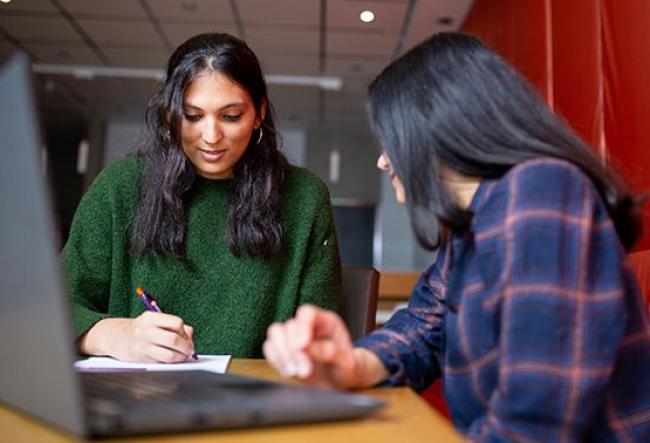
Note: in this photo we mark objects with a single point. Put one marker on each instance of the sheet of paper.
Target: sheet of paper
(213, 363)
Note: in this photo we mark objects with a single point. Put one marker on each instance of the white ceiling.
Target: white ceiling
(295, 37)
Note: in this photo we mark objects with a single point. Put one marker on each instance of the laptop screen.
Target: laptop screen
(35, 371)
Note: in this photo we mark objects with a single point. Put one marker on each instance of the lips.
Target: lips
(212, 155)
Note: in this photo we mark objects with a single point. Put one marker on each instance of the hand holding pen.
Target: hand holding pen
(152, 305)
(151, 337)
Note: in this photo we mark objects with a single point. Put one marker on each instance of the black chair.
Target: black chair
(359, 291)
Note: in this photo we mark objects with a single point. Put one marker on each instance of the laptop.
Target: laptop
(36, 370)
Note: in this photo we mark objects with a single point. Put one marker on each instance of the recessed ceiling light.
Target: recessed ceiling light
(367, 16)
(5, 1)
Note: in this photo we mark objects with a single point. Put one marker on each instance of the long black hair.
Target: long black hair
(452, 101)
(253, 227)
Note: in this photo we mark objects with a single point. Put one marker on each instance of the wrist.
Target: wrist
(371, 370)
(97, 340)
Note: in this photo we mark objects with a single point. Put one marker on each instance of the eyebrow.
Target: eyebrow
(229, 105)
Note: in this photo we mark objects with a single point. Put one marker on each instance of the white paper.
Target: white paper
(212, 363)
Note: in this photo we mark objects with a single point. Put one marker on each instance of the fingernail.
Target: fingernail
(289, 370)
(303, 370)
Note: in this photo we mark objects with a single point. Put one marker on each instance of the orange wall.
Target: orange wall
(590, 59)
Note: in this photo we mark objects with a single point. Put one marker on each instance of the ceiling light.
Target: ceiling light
(5, 1)
(367, 16)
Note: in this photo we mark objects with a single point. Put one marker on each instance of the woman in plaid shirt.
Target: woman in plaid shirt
(529, 314)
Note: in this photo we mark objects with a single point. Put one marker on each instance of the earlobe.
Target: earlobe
(261, 115)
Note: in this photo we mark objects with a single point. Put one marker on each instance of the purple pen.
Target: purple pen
(147, 300)
(151, 305)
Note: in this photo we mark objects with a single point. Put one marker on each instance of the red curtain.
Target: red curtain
(626, 33)
(577, 71)
(591, 60)
(517, 31)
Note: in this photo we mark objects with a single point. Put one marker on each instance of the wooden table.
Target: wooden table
(406, 418)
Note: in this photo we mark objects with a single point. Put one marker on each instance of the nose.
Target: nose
(211, 132)
(382, 163)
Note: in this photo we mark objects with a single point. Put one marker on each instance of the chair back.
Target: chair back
(640, 263)
(359, 304)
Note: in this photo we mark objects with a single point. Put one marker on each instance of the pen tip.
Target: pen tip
(139, 291)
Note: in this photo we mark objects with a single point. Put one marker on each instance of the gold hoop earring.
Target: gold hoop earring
(259, 137)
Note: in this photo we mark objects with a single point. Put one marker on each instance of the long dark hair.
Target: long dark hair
(451, 100)
(253, 227)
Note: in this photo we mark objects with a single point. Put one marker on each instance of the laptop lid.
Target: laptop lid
(35, 368)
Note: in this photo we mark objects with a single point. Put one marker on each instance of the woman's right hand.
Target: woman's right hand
(315, 347)
(150, 337)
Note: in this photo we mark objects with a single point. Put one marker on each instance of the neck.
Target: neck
(462, 187)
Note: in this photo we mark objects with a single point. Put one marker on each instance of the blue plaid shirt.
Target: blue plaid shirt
(531, 317)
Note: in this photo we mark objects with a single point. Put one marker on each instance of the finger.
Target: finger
(174, 324)
(328, 325)
(329, 353)
(276, 334)
(319, 323)
(332, 342)
(295, 333)
(305, 318)
(272, 356)
(323, 351)
(162, 354)
(170, 322)
(327, 342)
(176, 342)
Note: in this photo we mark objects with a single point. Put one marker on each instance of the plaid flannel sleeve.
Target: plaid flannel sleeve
(562, 307)
(409, 343)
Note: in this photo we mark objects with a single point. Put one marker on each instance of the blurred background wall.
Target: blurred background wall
(98, 62)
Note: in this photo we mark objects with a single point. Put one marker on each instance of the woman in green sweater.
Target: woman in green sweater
(209, 218)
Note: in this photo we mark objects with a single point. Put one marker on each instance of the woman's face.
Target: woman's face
(219, 118)
(384, 165)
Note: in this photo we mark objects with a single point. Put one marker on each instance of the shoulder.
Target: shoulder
(545, 182)
(301, 183)
(539, 188)
(127, 168)
(546, 176)
(305, 198)
(125, 171)
(120, 179)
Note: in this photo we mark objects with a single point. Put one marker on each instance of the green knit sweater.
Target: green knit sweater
(229, 301)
